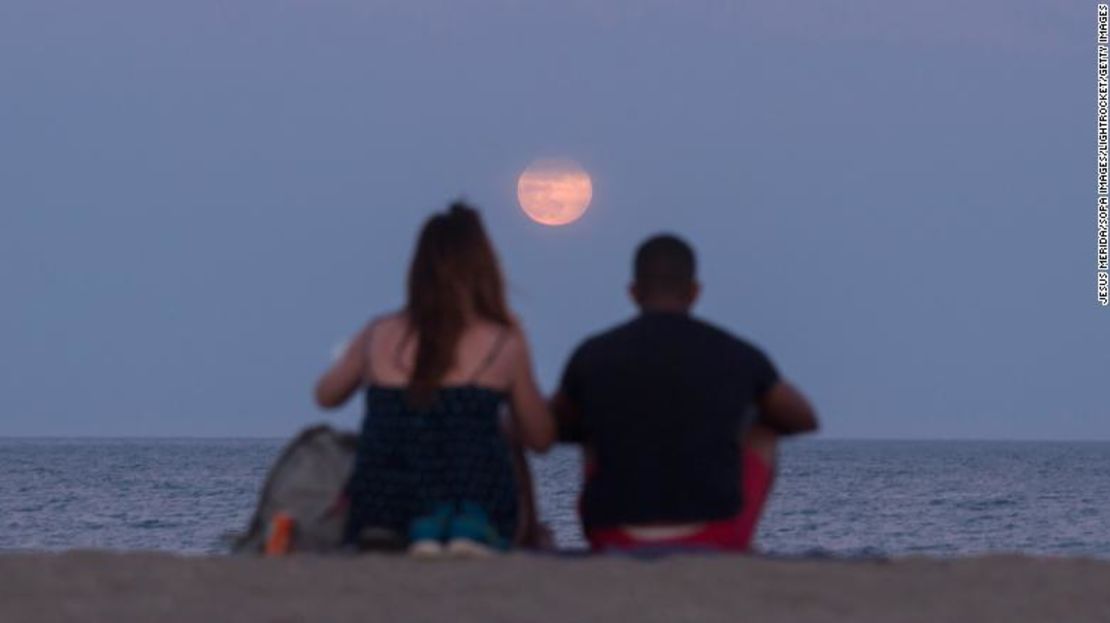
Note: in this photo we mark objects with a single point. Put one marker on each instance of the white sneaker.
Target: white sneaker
(428, 548)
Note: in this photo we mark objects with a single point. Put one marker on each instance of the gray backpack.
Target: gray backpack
(307, 483)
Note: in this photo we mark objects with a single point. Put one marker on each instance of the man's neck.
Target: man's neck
(666, 307)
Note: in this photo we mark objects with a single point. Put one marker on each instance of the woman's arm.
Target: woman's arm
(345, 375)
(533, 420)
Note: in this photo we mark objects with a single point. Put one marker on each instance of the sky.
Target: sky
(199, 200)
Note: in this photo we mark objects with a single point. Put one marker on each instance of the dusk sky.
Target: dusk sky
(199, 200)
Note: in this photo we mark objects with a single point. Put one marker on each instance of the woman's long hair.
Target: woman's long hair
(454, 278)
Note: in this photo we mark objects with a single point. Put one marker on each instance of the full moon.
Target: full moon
(554, 192)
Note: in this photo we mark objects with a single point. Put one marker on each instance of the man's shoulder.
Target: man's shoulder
(619, 335)
(605, 337)
(725, 337)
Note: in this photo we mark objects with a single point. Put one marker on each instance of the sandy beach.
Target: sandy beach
(101, 586)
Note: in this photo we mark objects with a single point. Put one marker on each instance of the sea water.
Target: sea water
(831, 497)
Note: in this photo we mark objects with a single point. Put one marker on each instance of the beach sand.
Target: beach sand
(102, 586)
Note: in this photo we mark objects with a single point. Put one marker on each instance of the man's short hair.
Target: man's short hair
(664, 264)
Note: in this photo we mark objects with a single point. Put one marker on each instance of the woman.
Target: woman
(433, 462)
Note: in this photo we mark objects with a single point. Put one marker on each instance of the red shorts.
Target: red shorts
(733, 534)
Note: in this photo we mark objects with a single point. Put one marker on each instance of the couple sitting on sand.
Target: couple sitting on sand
(678, 419)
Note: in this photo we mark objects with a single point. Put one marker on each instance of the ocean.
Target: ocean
(832, 498)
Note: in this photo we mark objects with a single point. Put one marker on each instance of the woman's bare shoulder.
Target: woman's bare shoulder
(389, 322)
(515, 340)
(490, 329)
(381, 329)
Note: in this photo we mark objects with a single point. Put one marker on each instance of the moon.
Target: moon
(554, 191)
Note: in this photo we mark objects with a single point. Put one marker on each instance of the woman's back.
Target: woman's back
(392, 345)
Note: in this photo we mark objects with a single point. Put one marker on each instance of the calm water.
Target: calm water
(833, 497)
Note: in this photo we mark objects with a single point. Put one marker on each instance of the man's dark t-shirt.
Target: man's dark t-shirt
(661, 401)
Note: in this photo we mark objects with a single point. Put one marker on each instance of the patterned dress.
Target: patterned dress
(411, 460)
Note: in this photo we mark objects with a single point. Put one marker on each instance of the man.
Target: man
(663, 404)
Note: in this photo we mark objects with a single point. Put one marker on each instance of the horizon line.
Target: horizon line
(290, 438)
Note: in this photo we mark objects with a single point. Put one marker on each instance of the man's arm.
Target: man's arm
(786, 411)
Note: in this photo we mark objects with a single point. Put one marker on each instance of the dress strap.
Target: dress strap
(368, 353)
(494, 351)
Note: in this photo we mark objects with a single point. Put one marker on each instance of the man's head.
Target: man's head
(665, 275)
